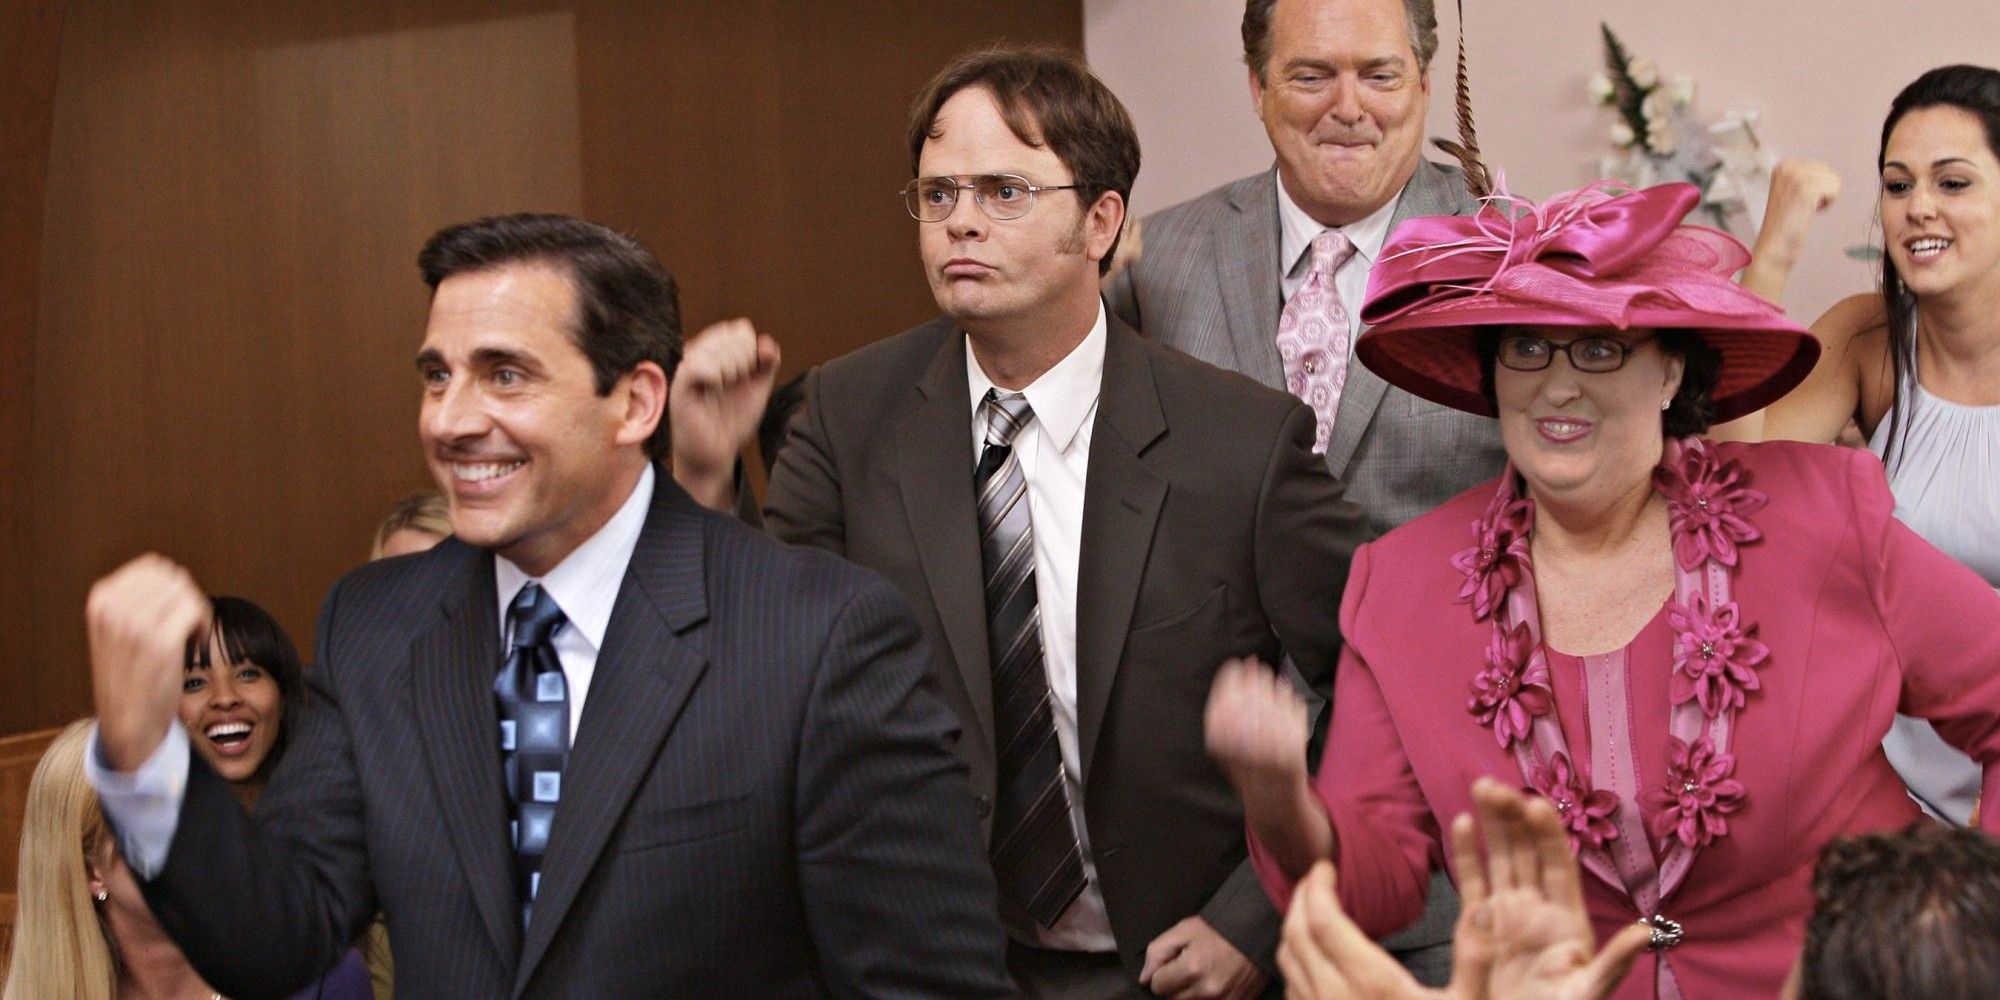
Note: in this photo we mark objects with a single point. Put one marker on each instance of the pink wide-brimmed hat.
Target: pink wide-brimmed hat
(1591, 258)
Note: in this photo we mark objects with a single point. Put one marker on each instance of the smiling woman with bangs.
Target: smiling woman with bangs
(240, 689)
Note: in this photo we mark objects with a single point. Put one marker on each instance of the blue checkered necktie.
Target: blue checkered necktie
(533, 700)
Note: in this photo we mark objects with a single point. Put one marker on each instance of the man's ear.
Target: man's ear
(1104, 221)
(644, 392)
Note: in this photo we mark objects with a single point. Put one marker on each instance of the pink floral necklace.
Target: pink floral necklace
(1716, 656)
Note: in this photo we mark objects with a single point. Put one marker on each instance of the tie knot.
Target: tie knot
(534, 615)
(1330, 249)
(1005, 416)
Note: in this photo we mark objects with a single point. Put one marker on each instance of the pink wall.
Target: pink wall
(1820, 75)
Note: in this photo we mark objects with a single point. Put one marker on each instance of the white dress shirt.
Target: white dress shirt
(1053, 450)
(144, 806)
(1296, 232)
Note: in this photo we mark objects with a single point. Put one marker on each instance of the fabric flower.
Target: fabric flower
(1585, 814)
(1714, 655)
(1698, 796)
(1514, 687)
(1500, 558)
(1707, 501)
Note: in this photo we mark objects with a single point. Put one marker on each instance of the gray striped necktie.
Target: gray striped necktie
(1036, 857)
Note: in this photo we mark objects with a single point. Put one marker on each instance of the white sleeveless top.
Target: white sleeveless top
(1945, 473)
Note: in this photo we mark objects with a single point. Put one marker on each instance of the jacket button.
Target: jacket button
(985, 806)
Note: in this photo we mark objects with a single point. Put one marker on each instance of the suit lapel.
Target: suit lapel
(644, 675)
(934, 468)
(1429, 192)
(453, 663)
(1121, 504)
(1247, 267)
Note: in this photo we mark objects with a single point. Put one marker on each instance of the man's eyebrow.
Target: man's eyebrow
(493, 357)
(429, 357)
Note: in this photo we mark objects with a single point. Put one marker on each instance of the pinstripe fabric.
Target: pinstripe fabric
(1035, 850)
(760, 800)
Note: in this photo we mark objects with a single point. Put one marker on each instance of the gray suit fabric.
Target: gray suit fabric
(1208, 283)
(1210, 530)
(761, 800)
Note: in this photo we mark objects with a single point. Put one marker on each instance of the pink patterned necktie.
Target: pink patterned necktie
(1314, 335)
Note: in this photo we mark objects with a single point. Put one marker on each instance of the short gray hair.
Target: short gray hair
(1421, 14)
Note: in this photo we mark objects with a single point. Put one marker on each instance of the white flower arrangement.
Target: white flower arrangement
(1659, 138)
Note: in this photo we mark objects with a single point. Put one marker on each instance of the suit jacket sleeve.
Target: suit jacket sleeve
(802, 501)
(1306, 534)
(1943, 622)
(263, 907)
(900, 900)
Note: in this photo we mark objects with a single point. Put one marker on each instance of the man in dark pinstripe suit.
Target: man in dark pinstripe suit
(760, 798)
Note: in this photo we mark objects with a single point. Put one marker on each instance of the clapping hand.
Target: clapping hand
(1523, 932)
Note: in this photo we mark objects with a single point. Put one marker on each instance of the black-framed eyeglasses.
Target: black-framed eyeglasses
(1596, 354)
(1000, 196)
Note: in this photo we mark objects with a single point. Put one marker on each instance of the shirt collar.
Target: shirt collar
(585, 584)
(1064, 396)
(1297, 230)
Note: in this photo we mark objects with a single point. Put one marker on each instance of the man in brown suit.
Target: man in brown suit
(1089, 524)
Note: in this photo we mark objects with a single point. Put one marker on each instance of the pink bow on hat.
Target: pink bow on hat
(1594, 252)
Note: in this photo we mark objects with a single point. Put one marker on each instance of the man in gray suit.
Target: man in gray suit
(760, 798)
(1266, 275)
(1089, 525)
(1343, 87)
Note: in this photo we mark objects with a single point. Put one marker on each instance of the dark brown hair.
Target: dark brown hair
(628, 309)
(1050, 100)
(1421, 16)
(1976, 91)
(1909, 914)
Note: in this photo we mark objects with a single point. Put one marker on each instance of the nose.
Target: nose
(222, 692)
(1561, 382)
(452, 414)
(967, 221)
(1920, 205)
(1346, 105)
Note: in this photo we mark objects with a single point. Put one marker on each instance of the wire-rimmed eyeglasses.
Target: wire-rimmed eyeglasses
(1000, 196)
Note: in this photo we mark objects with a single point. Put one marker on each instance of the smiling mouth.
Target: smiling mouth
(1562, 430)
(1927, 247)
(229, 737)
(479, 472)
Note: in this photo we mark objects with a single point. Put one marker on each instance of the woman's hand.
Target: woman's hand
(1523, 932)
(1800, 190)
(1257, 727)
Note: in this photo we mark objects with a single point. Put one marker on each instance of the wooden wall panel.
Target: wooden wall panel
(30, 33)
(227, 300)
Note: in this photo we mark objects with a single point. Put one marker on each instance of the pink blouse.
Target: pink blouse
(1862, 617)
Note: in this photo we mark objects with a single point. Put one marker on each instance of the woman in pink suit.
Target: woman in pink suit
(1691, 649)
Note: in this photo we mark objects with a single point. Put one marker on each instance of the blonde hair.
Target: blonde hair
(425, 512)
(61, 947)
